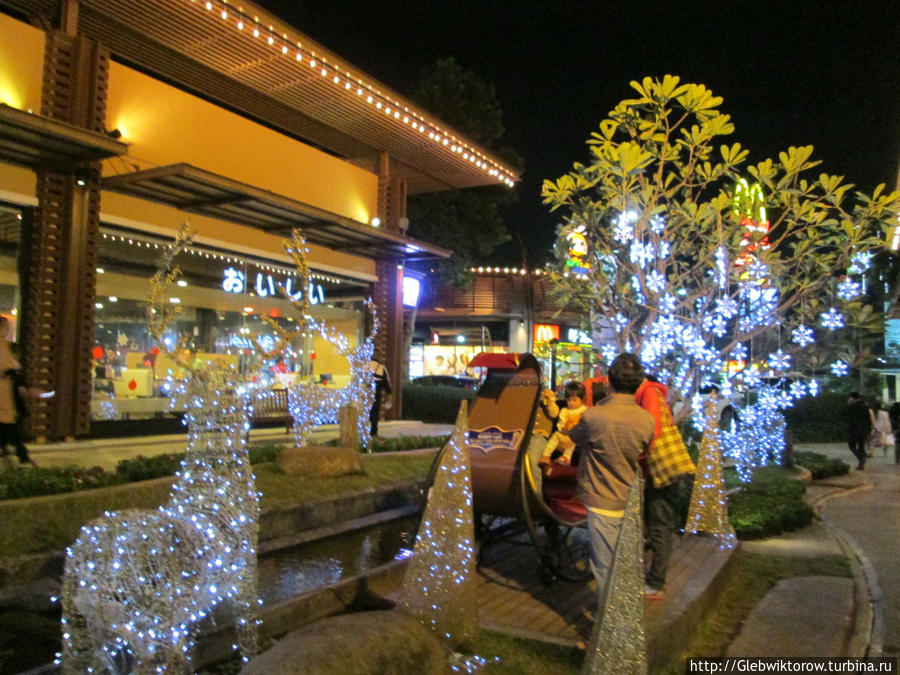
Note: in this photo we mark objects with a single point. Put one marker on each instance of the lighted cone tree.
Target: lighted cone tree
(137, 582)
(438, 587)
(618, 642)
(708, 511)
(702, 265)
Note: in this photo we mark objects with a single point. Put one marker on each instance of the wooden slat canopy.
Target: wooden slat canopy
(198, 191)
(37, 142)
(247, 60)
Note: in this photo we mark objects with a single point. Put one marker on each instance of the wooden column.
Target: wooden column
(388, 298)
(62, 247)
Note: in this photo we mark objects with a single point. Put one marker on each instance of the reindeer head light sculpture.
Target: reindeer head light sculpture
(136, 582)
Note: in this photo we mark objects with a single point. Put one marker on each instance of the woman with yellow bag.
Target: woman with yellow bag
(667, 462)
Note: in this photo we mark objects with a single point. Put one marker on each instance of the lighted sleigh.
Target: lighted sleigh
(510, 495)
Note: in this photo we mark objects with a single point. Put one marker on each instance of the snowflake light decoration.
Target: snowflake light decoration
(860, 262)
(803, 336)
(840, 368)
(623, 230)
(609, 353)
(832, 319)
(779, 360)
(848, 289)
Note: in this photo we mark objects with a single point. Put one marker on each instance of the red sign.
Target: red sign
(544, 332)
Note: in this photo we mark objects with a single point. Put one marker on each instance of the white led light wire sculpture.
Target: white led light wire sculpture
(136, 582)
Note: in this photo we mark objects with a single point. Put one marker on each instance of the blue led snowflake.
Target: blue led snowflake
(752, 377)
(832, 319)
(813, 387)
(656, 281)
(623, 230)
(779, 360)
(840, 368)
(609, 353)
(849, 289)
(797, 389)
(738, 352)
(860, 262)
(803, 336)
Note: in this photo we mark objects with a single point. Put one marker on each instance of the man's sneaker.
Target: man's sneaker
(654, 593)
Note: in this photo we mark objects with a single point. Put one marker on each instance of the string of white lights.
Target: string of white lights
(354, 85)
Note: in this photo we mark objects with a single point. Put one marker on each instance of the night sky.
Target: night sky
(793, 72)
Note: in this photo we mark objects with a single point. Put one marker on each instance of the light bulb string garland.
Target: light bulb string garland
(344, 81)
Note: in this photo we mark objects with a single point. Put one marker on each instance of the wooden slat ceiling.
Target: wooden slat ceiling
(36, 142)
(196, 48)
(195, 190)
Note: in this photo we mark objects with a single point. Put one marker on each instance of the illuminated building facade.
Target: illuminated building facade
(120, 120)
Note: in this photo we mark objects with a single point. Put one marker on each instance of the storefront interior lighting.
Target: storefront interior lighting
(113, 298)
(175, 301)
(182, 283)
(376, 221)
(347, 82)
(100, 270)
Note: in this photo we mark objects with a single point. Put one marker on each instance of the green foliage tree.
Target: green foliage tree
(469, 222)
(668, 263)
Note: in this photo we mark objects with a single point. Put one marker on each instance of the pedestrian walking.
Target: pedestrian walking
(859, 426)
(11, 401)
(884, 435)
(382, 388)
(611, 436)
(667, 464)
(894, 415)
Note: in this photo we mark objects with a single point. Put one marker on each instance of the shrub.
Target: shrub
(821, 466)
(813, 420)
(434, 404)
(58, 480)
(38, 482)
(146, 468)
(767, 509)
(407, 443)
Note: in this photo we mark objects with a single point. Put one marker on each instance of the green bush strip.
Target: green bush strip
(50, 523)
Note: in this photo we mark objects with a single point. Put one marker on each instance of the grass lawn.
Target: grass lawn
(746, 579)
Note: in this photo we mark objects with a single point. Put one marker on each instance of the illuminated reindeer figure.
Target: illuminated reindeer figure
(311, 405)
(136, 582)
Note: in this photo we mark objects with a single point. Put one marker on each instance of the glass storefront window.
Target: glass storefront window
(227, 302)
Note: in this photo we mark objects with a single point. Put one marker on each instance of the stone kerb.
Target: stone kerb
(319, 461)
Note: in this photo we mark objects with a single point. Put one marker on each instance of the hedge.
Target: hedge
(818, 419)
(821, 466)
(434, 404)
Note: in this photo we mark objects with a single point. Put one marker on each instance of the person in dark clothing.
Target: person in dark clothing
(859, 426)
(382, 388)
(894, 415)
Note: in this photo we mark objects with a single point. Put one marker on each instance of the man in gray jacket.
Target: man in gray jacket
(611, 437)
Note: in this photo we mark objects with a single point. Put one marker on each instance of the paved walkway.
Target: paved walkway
(108, 452)
(860, 517)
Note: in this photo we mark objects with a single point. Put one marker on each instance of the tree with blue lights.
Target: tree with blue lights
(710, 268)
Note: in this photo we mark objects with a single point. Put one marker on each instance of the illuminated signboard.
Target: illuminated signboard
(235, 281)
(411, 287)
(749, 207)
(544, 332)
